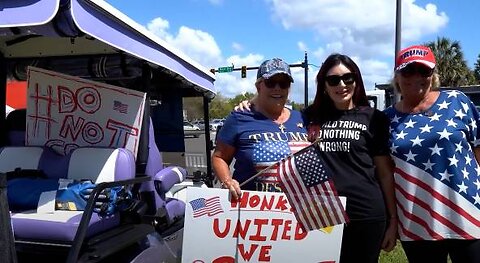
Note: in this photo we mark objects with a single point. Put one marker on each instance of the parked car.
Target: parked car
(215, 123)
(200, 124)
(188, 126)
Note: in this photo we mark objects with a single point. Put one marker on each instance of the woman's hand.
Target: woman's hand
(233, 187)
(243, 106)
(390, 238)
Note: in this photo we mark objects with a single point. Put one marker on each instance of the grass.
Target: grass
(397, 255)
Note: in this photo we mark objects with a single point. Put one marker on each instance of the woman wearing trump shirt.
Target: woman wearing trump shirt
(435, 145)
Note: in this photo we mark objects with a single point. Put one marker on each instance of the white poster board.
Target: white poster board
(259, 228)
(66, 112)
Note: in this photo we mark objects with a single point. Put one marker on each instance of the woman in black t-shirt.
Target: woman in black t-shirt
(354, 143)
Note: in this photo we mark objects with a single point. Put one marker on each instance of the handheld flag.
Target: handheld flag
(306, 182)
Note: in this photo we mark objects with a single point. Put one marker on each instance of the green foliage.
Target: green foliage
(476, 70)
(451, 66)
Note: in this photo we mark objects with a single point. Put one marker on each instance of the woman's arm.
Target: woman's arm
(221, 159)
(476, 152)
(384, 170)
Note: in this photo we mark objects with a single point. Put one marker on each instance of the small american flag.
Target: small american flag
(120, 107)
(210, 206)
(309, 189)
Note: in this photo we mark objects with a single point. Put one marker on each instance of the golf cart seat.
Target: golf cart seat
(75, 232)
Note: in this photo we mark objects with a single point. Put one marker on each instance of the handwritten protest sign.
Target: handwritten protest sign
(65, 112)
(260, 227)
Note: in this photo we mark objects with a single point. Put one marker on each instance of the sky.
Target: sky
(219, 33)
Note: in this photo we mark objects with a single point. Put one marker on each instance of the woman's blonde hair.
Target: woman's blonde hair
(435, 81)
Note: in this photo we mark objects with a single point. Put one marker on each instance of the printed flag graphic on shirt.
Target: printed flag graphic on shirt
(209, 207)
(309, 189)
(267, 153)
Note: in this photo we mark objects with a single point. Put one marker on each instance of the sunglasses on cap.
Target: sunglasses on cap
(334, 80)
(416, 68)
(272, 83)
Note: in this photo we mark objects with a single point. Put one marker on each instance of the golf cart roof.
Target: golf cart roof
(99, 41)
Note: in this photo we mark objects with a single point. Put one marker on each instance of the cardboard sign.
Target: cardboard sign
(258, 228)
(65, 112)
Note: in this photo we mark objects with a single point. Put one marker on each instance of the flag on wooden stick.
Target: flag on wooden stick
(307, 183)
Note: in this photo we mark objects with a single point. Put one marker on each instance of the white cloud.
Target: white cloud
(364, 30)
(237, 46)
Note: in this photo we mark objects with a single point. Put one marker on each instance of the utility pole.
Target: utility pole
(398, 41)
(305, 66)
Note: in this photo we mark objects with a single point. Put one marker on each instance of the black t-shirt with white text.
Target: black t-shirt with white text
(349, 141)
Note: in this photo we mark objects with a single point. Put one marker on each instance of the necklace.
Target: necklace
(279, 120)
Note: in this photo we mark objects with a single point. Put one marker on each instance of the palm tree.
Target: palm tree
(451, 66)
(476, 70)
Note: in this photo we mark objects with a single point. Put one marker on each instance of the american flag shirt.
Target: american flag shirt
(260, 143)
(437, 178)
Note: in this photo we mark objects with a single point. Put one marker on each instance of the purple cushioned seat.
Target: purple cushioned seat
(96, 164)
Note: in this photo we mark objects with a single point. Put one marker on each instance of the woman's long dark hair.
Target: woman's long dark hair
(323, 106)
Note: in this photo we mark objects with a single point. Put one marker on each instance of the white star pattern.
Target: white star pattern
(426, 128)
(451, 123)
(458, 147)
(445, 176)
(443, 105)
(452, 93)
(459, 113)
(393, 148)
(428, 165)
(436, 149)
(410, 124)
(401, 135)
(453, 161)
(465, 106)
(410, 156)
(463, 187)
(435, 117)
(477, 183)
(465, 173)
(477, 199)
(444, 134)
(417, 141)
(468, 160)
(395, 119)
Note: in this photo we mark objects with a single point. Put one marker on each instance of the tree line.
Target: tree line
(451, 66)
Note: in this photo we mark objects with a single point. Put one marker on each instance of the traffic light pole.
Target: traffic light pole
(245, 68)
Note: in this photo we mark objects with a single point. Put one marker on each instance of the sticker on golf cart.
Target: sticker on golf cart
(260, 227)
(66, 112)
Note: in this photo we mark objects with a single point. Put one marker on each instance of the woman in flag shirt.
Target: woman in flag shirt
(261, 137)
(435, 146)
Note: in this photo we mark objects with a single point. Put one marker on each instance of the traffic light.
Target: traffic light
(244, 72)
(212, 70)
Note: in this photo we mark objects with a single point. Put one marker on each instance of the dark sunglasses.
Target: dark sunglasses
(416, 68)
(334, 80)
(271, 83)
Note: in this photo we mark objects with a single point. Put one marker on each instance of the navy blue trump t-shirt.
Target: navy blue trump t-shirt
(260, 143)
